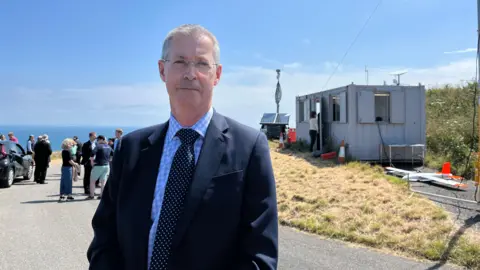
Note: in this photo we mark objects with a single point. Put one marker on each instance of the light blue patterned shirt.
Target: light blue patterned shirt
(169, 148)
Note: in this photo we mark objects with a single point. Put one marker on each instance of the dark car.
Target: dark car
(14, 163)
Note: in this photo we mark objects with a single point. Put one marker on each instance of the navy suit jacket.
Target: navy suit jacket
(230, 218)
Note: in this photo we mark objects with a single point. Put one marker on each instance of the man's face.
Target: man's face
(189, 71)
(93, 137)
(117, 134)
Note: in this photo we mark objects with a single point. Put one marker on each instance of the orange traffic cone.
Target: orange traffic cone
(341, 153)
(280, 143)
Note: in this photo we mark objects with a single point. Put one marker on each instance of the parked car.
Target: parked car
(14, 163)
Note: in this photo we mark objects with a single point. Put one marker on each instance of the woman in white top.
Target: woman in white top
(313, 129)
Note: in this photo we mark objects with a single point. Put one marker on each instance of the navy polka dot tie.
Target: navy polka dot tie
(178, 184)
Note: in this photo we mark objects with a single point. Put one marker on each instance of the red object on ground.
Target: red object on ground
(292, 135)
(446, 168)
(329, 155)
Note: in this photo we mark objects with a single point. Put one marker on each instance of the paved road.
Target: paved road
(38, 233)
(466, 214)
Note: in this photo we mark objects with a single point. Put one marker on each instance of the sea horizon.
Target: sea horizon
(2, 127)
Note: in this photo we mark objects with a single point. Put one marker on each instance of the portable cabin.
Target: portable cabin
(376, 122)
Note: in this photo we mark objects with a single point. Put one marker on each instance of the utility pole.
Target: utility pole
(477, 162)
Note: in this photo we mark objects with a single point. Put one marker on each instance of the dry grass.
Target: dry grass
(56, 155)
(358, 203)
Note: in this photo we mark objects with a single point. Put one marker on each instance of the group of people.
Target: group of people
(95, 155)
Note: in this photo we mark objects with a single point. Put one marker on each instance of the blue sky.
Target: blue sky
(95, 62)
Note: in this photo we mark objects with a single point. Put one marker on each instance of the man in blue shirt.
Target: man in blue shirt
(194, 192)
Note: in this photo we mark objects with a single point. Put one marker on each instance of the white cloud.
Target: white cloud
(330, 66)
(462, 51)
(138, 104)
(244, 93)
(260, 57)
(293, 65)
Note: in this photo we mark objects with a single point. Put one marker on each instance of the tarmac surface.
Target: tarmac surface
(466, 214)
(37, 232)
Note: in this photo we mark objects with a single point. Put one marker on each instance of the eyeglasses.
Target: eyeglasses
(182, 65)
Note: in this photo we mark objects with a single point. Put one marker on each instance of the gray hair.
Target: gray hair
(187, 30)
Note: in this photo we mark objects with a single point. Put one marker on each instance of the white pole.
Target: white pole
(477, 191)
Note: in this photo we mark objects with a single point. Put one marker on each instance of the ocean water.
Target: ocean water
(56, 134)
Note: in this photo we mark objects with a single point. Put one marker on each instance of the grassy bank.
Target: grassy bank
(449, 112)
(358, 203)
(56, 155)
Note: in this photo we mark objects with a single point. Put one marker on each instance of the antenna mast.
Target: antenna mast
(398, 74)
(278, 92)
(366, 74)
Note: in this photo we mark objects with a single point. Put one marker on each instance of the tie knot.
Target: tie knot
(187, 135)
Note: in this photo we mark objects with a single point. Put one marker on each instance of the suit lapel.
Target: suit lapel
(209, 160)
(143, 189)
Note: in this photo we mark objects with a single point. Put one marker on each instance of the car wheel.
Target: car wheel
(8, 181)
(29, 174)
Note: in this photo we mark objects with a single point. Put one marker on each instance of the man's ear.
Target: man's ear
(218, 74)
(161, 69)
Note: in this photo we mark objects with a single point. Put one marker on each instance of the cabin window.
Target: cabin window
(302, 110)
(336, 108)
(382, 107)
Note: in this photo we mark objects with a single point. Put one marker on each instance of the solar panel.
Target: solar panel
(268, 118)
(273, 118)
(283, 118)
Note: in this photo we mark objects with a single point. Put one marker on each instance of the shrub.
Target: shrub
(449, 112)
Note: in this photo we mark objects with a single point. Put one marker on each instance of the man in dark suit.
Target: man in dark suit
(42, 152)
(87, 149)
(196, 192)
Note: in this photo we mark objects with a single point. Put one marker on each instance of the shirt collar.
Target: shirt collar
(200, 126)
